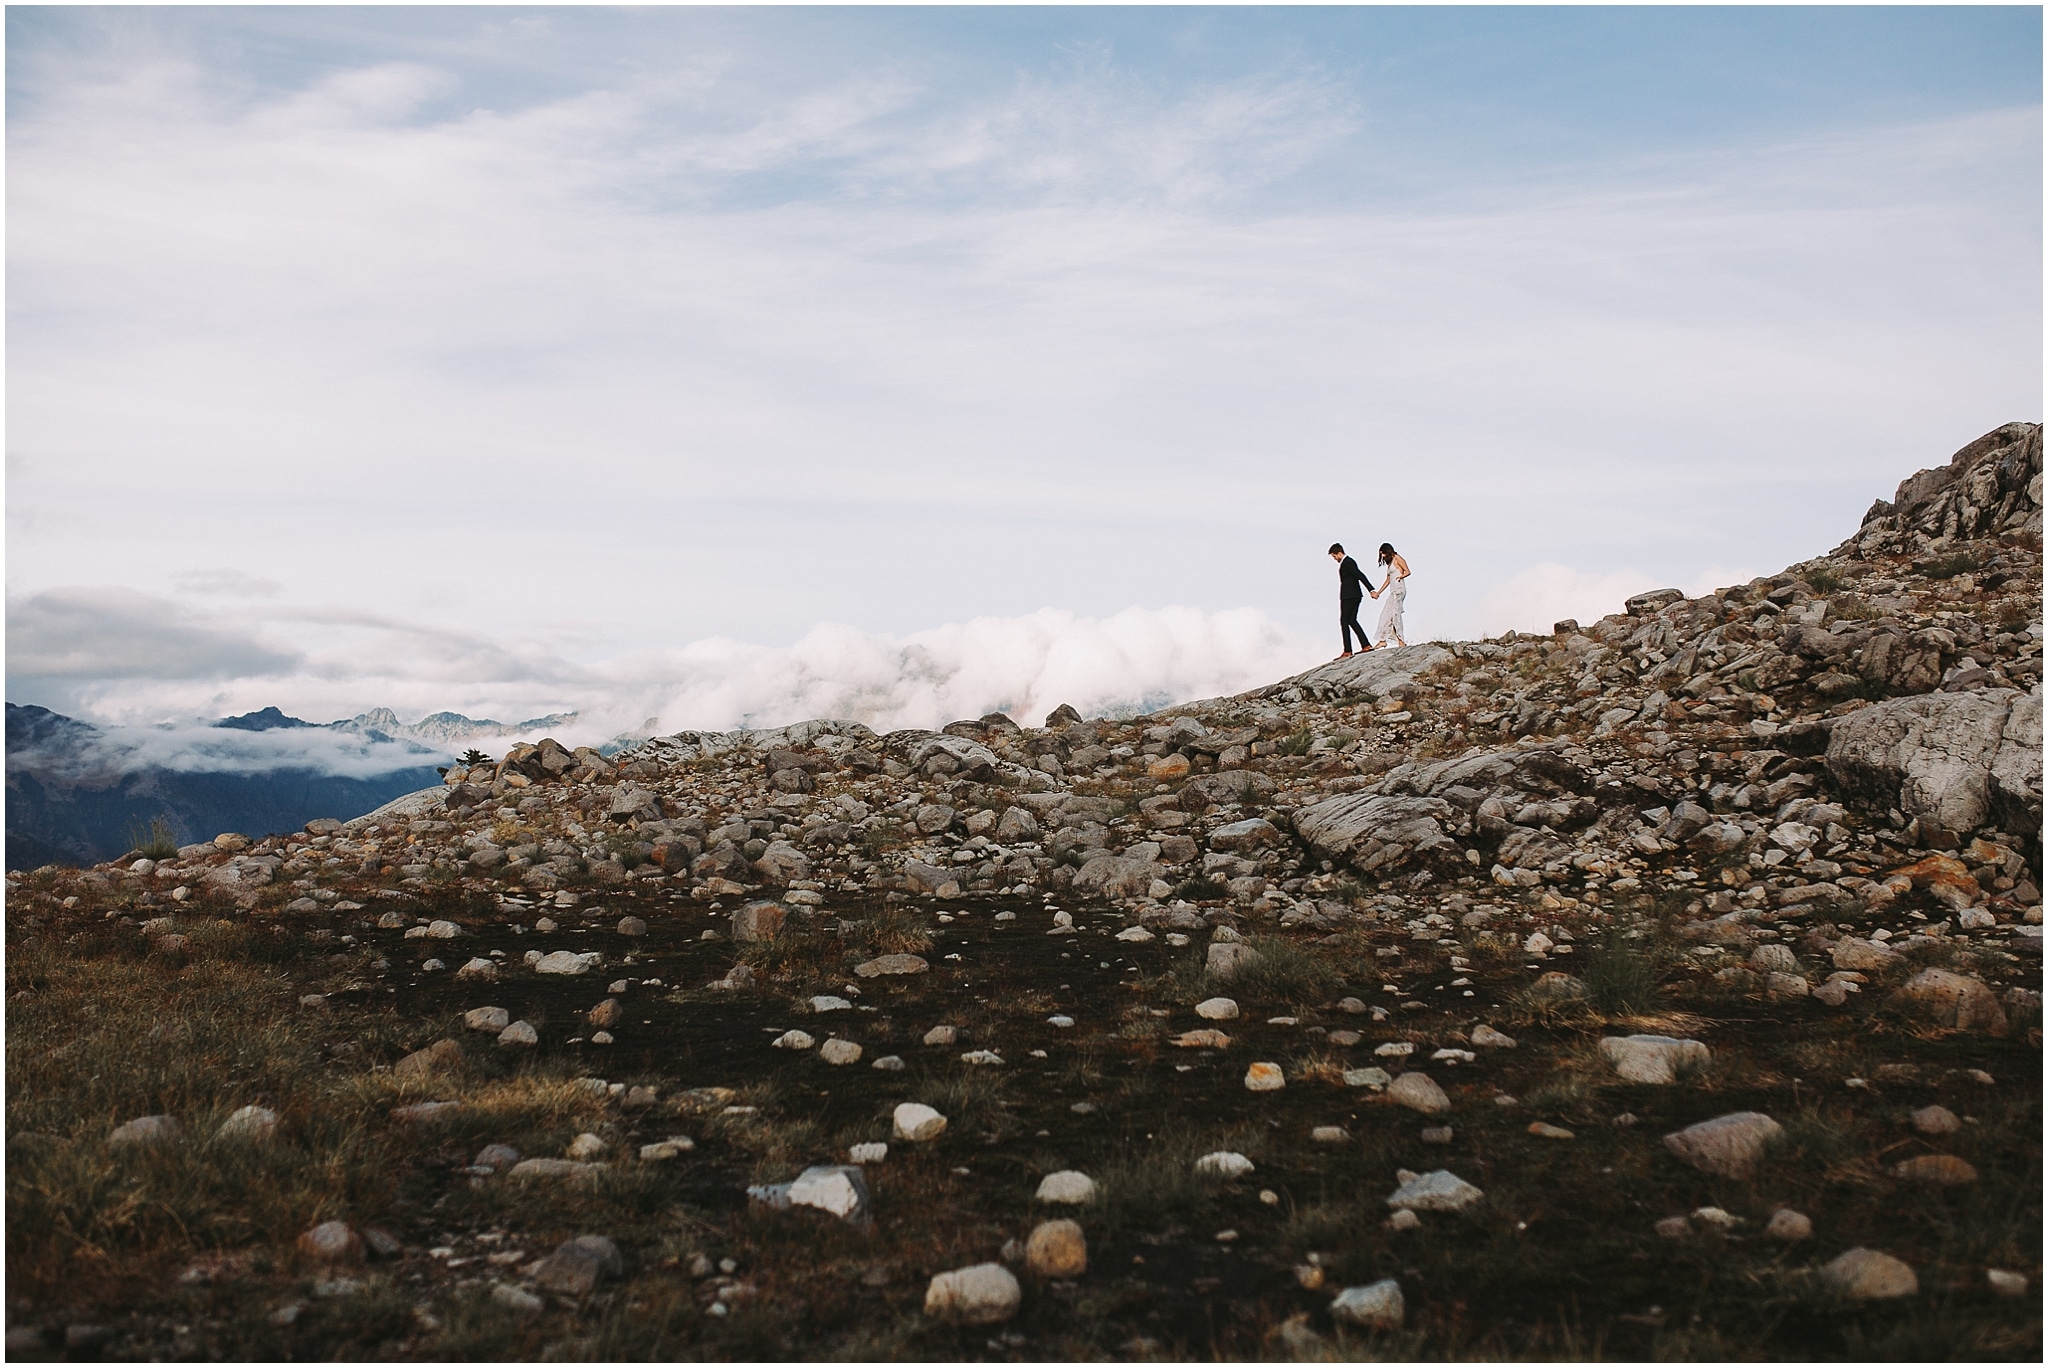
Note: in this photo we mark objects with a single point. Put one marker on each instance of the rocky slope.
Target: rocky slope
(1770, 752)
(1819, 794)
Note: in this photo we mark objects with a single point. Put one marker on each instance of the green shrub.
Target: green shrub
(156, 840)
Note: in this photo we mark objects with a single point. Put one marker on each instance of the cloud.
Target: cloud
(227, 583)
(1138, 659)
(113, 633)
(193, 746)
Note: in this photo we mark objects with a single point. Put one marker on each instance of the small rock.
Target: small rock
(1936, 1170)
(1373, 1078)
(1545, 1131)
(565, 962)
(443, 930)
(1437, 1135)
(553, 1168)
(1202, 1040)
(632, 926)
(1395, 1049)
(1224, 1164)
(1441, 1190)
(889, 1064)
(575, 1269)
(517, 1300)
(888, 965)
(1057, 1249)
(793, 1040)
(839, 1190)
(1729, 1146)
(1226, 958)
(868, 1152)
(145, 1130)
(1862, 955)
(1404, 1219)
(1264, 1077)
(837, 1051)
(942, 1035)
(984, 1294)
(1868, 1275)
(331, 1242)
(496, 1157)
(1329, 1135)
(1674, 1228)
(1069, 1187)
(1557, 987)
(984, 1057)
(1216, 1009)
(421, 1113)
(1787, 1226)
(587, 1147)
(1936, 1120)
(1378, 1306)
(249, 1125)
(1653, 1058)
(916, 1121)
(519, 1033)
(1714, 1216)
(478, 970)
(1488, 1038)
(661, 1151)
(825, 1002)
(606, 1014)
(486, 1018)
(1418, 1092)
(1136, 935)
(2006, 1284)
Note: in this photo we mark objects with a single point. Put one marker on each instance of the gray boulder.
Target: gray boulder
(1376, 831)
(1945, 758)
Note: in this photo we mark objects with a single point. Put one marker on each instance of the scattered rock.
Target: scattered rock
(839, 1190)
(891, 964)
(566, 962)
(1264, 1077)
(145, 1130)
(1936, 1120)
(1329, 1135)
(1226, 958)
(1653, 1058)
(579, 1265)
(1787, 1226)
(1557, 987)
(1543, 1130)
(1440, 1190)
(1202, 1040)
(868, 1152)
(916, 1121)
(606, 1014)
(519, 1033)
(586, 1147)
(2005, 1284)
(439, 1057)
(1224, 1164)
(1418, 1092)
(1862, 956)
(1378, 1306)
(1488, 1038)
(517, 1300)
(1868, 1275)
(1216, 1009)
(1057, 1249)
(984, 1294)
(331, 1242)
(1070, 1187)
(248, 1125)
(758, 921)
(942, 1035)
(1729, 1146)
(553, 1168)
(1936, 1170)
(1953, 1000)
(837, 1051)
(794, 1040)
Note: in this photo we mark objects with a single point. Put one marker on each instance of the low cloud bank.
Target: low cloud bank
(198, 747)
(1136, 660)
(1542, 595)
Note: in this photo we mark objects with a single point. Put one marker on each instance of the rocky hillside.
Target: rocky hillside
(1758, 868)
(1774, 750)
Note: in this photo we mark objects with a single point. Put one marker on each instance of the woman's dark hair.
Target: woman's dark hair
(1387, 552)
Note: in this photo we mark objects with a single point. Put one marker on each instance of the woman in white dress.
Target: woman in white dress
(1394, 566)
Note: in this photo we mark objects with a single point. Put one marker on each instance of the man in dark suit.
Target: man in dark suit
(1352, 587)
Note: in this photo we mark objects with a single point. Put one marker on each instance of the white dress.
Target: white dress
(1393, 598)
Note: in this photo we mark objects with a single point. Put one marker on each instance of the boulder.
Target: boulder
(1953, 1000)
(145, 1130)
(885, 966)
(1377, 1306)
(984, 1294)
(1868, 1275)
(1068, 1187)
(1932, 757)
(1117, 876)
(1377, 831)
(1440, 1190)
(758, 921)
(915, 1121)
(1418, 1092)
(579, 1265)
(1254, 833)
(1728, 1146)
(1057, 1249)
(420, 1064)
(1652, 1058)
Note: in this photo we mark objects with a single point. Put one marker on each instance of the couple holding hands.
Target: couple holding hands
(1352, 586)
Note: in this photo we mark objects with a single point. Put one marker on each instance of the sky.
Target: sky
(699, 367)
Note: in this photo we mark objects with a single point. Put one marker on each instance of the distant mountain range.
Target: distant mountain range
(79, 794)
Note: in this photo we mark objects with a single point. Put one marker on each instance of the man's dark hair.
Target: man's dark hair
(1336, 548)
